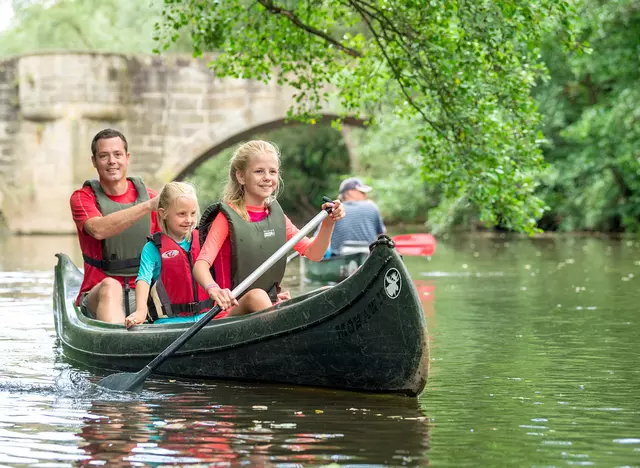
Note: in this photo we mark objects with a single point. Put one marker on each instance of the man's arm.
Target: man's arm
(103, 227)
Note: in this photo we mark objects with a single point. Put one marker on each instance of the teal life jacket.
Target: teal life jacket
(121, 253)
(251, 244)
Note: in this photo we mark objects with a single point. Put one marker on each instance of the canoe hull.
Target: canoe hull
(353, 336)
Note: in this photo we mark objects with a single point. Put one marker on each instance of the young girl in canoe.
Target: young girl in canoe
(167, 260)
(247, 227)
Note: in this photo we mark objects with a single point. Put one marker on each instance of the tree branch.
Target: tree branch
(424, 69)
(396, 73)
(277, 10)
(620, 182)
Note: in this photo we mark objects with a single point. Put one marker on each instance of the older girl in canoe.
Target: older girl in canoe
(167, 260)
(247, 227)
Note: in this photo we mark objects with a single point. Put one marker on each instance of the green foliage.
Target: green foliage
(313, 157)
(102, 25)
(389, 155)
(210, 178)
(465, 69)
(591, 121)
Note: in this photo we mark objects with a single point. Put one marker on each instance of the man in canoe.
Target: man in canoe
(364, 223)
(114, 215)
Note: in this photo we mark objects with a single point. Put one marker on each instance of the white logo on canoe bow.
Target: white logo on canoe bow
(392, 283)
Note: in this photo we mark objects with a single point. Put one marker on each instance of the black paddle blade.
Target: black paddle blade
(124, 382)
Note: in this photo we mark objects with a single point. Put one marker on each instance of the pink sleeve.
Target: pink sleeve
(292, 230)
(84, 206)
(216, 236)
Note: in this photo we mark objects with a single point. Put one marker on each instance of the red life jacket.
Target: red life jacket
(177, 290)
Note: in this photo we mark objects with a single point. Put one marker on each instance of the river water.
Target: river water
(535, 345)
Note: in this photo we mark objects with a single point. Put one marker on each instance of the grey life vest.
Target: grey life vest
(121, 253)
(251, 244)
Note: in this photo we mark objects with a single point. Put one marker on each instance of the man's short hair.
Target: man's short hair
(105, 135)
(354, 183)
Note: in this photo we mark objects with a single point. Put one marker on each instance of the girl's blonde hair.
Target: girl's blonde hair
(242, 157)
(169, 194)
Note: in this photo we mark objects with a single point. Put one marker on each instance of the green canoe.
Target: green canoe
(332, 269)
(367, 333)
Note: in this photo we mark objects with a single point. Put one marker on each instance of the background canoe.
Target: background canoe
(422, 244)
(337, 268)
(332, 269)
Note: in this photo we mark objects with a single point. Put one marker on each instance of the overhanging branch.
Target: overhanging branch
(277, 10)
(395, 71)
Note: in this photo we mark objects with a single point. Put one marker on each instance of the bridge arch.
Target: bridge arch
(207, 143)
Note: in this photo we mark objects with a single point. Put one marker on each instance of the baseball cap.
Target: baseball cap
(354, 183)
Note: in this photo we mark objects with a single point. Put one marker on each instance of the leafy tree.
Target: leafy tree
(464, 68)
(591, 121)
(105, 25)
(389, 156)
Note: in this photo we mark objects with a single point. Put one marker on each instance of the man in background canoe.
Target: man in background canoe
(363, 223)
(114, 215)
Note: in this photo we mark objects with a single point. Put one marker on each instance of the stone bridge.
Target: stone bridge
(173, 110)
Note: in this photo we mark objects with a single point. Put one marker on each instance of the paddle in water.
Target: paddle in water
(133, 381)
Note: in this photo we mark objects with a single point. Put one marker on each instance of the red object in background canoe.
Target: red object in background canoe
(415, 244)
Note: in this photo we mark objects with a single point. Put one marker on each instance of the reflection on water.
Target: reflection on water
(172, 423)
(533, 363)
(533, 351)
(253, 425)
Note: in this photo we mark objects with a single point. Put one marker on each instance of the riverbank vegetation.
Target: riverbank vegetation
(488, 114)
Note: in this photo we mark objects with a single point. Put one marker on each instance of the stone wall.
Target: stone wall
(9, 125)
(173, 110)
